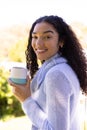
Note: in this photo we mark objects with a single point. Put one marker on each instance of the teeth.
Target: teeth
(41, 50)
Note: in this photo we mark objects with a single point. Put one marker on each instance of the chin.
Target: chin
(43, 58)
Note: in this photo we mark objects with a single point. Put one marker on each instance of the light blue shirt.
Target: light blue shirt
(55, 95)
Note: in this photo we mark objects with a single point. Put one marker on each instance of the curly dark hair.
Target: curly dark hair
(72, 49)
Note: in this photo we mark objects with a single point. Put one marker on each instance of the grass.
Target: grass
(20, 123)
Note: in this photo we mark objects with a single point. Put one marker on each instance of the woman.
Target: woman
(50, 97)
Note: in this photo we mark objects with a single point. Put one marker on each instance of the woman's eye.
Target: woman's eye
(46, 37)
(34, 37)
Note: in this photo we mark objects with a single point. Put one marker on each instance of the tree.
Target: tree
(9, 105)
(17, 52)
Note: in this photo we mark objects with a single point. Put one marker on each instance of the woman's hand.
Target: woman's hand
(21, 92)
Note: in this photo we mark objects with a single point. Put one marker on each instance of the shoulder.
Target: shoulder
(57, 81)
(56, 72)
(62, 76)
(60, 69)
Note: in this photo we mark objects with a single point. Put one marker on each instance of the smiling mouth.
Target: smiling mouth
(41, 51)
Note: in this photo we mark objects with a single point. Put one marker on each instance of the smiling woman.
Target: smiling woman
(43, 38)
(51, 95)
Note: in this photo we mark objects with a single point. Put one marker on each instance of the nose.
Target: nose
(39, 42)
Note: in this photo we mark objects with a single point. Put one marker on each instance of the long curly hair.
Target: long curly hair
(72, 49)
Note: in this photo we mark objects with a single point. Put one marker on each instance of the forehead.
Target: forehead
(43, 27)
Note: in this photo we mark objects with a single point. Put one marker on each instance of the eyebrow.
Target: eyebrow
(48, 31)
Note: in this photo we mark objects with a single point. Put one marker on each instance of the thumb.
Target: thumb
(28, 81)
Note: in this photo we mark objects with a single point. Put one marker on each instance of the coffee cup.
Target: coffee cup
(18, 75)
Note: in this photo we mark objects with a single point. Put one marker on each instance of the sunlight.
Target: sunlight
(17, 11)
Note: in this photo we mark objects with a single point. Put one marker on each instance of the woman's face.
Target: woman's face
(45, 41)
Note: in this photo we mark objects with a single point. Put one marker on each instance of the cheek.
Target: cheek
(54, 46)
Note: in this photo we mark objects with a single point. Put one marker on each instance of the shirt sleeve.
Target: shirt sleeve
(58, 92)
(35, 114)
(57, 116)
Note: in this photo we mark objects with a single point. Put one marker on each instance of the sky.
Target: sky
(27, 11)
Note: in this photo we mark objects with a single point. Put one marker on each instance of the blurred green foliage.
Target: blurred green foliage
(17, 51)
(9, 105)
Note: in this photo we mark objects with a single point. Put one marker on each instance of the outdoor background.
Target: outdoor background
(16, 18)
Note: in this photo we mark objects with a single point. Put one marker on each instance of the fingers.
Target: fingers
(28, 81)
(17, 94)
(21, 92)
(18, 85)
(13, 90)
(12, 83)
(14, 87)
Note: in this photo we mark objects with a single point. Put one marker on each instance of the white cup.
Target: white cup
(18, 75)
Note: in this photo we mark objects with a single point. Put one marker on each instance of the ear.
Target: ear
(61, 44)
